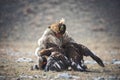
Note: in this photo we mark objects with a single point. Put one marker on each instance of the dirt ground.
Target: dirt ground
(12, 70)
(93, 23)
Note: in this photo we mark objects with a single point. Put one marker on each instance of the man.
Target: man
(57, 34)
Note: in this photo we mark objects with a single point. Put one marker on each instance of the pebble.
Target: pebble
(24, 60)
(99, 78)
(36, 76)
(66, 76)
(2, 77)
(115, 61)
(25, 76)
(113, 78)
(89, 62)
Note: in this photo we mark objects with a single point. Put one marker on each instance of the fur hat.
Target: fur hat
(58, 27)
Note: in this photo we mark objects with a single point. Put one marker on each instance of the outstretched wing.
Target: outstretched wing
(86, 52)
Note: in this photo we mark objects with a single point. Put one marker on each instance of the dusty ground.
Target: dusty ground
(95, 23)
(11, 69)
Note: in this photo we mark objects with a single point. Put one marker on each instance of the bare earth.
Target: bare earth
(93, 23)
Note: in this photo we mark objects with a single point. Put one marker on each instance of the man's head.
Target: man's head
(59, 27)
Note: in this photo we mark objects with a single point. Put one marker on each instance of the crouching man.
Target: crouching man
(55, 35)
(70, 51)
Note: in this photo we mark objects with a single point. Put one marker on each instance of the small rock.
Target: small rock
(112, 78)
(36, 76)
(99, 78)
(90, 62)
(75, 77)
(24, 60)
(115, 61)
(67, 76)
(44, 76)
(64, 75)
(2, 77)
(25, 76)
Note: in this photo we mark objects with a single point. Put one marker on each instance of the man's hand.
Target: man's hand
(45, 52)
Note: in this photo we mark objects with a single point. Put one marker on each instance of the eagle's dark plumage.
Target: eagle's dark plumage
(69, 55)
(57, 62)
(77, 51)
(76, 59)
(54, 58)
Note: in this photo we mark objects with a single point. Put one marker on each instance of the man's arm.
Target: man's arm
(43, 46)
(42, 52)
(67, 38)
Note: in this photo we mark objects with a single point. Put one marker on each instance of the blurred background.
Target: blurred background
(26, 20)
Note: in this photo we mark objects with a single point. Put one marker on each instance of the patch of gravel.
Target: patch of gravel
(24, 59)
